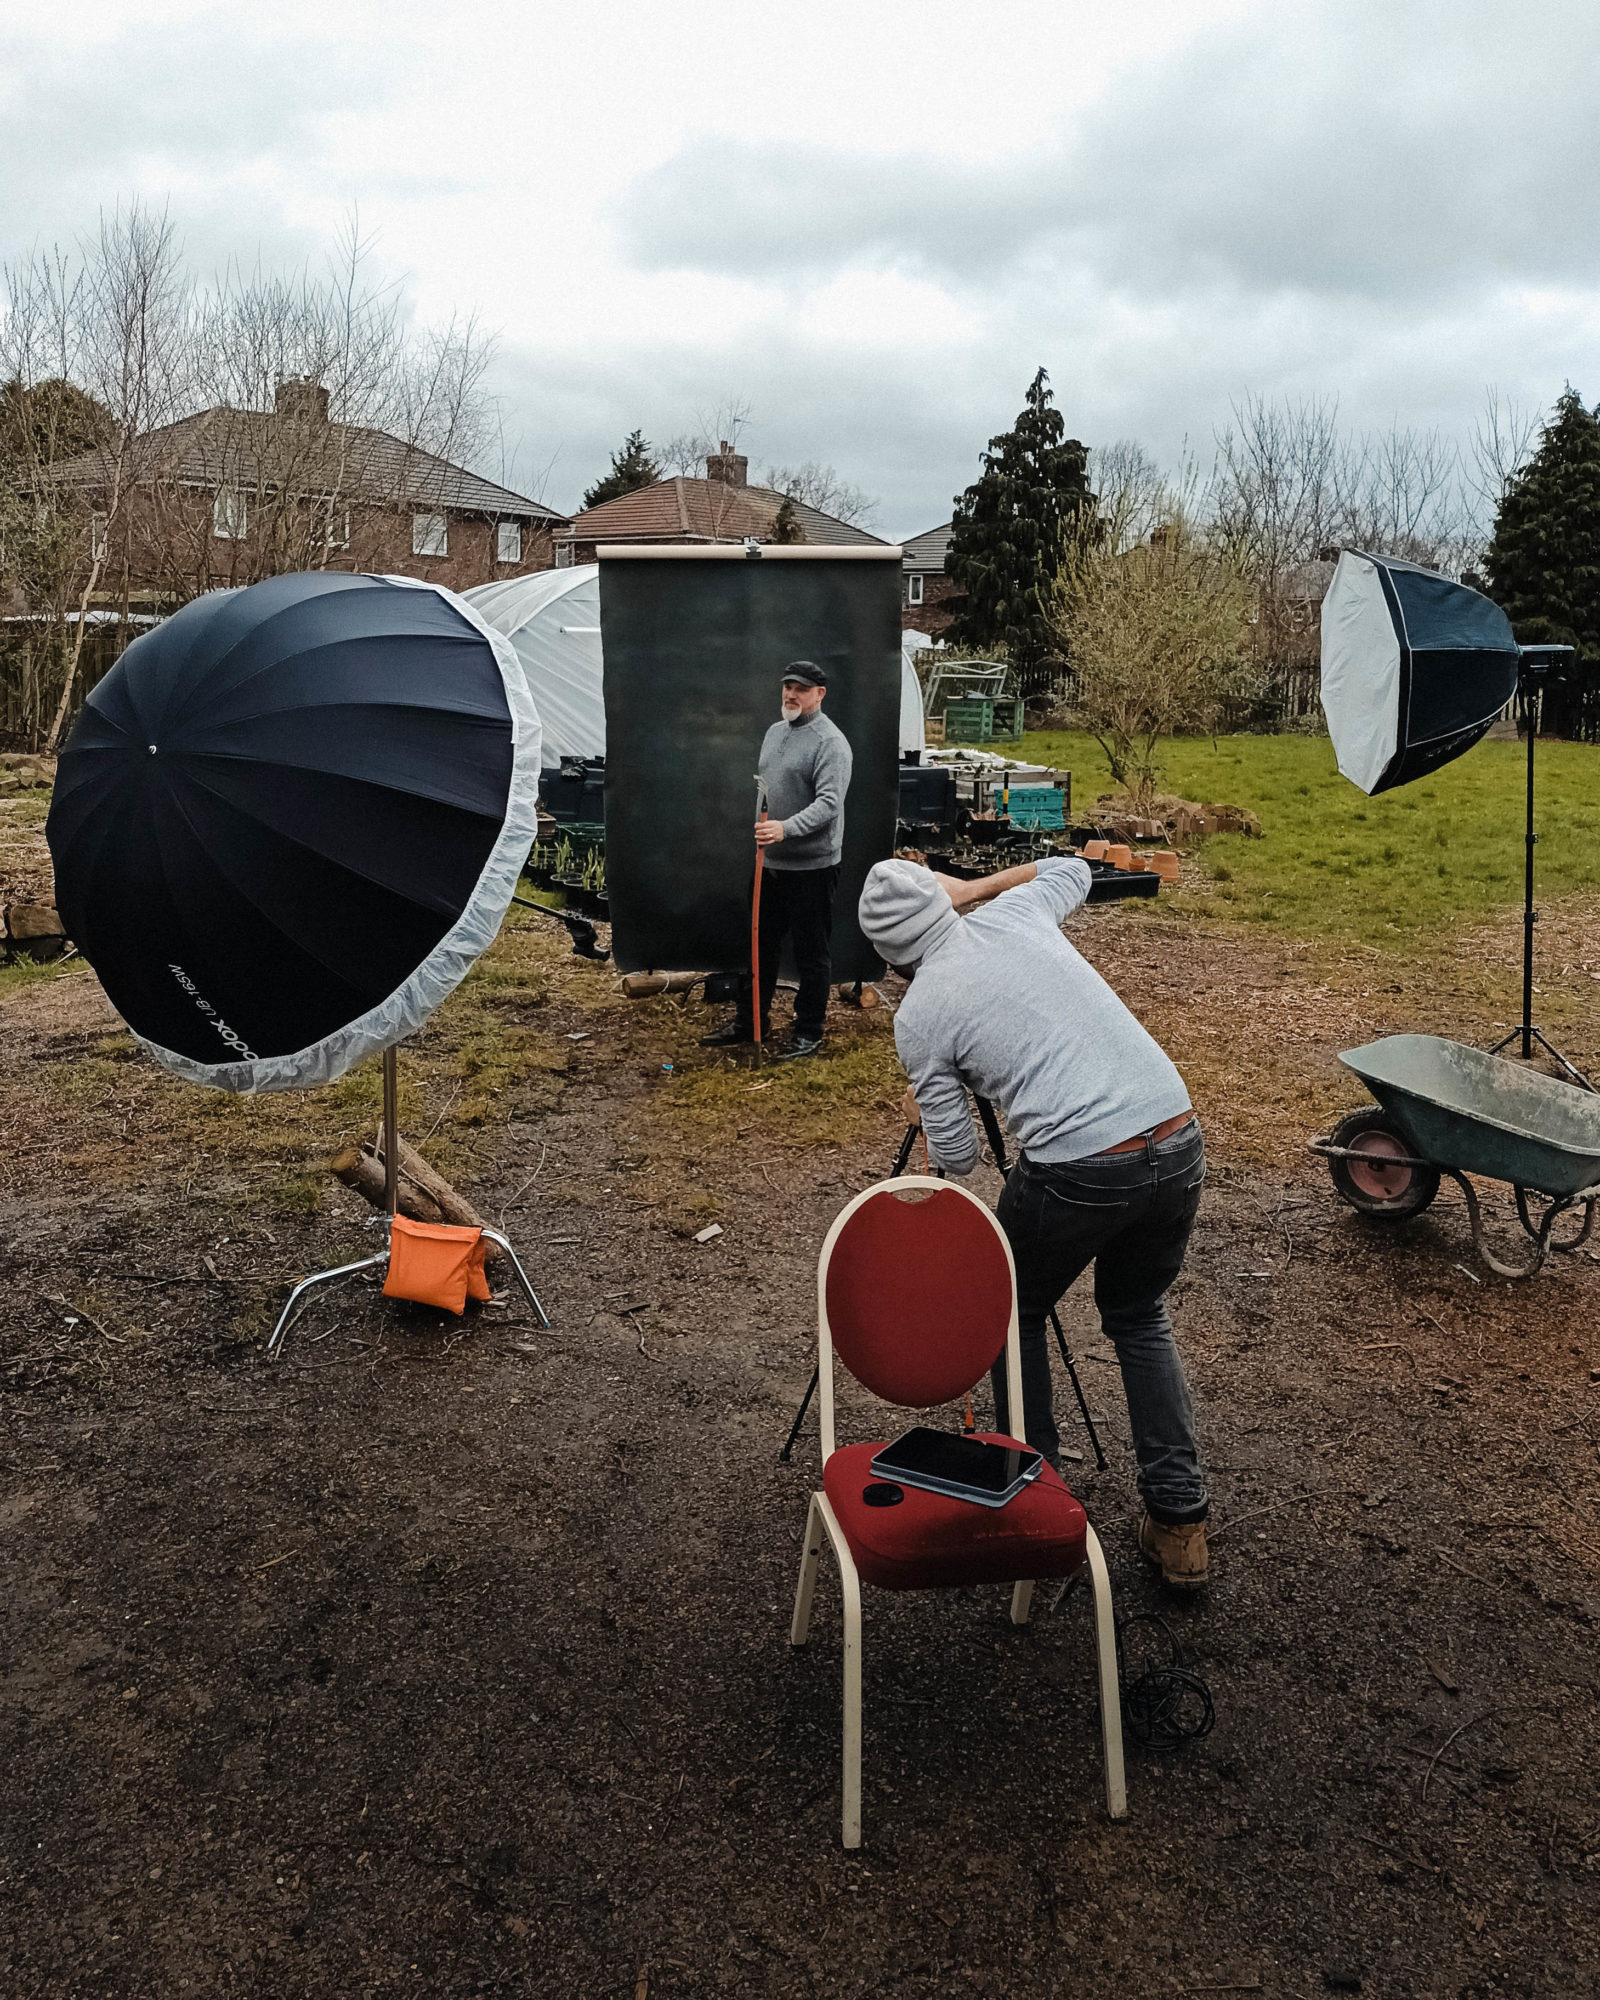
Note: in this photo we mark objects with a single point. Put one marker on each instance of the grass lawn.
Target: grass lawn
(1334, 864)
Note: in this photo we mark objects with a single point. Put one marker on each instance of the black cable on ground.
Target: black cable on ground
(1166, 1703)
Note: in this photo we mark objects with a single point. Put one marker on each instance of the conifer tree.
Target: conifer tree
(1011, 526)
(1543, 562)
(631, 468)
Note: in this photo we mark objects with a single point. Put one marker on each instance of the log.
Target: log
(423, 1194)
(641, 985)
(360, 1168)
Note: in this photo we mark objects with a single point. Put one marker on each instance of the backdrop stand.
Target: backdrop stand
(391, 1208)
(1536, 666)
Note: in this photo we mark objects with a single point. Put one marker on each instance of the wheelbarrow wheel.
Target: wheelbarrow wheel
(1380, 1182)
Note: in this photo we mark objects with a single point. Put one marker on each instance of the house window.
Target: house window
(430, 535)
(508, 542)
(913, 589)
(98, 523)
(335, 526)
(563, 555)
(229, 515)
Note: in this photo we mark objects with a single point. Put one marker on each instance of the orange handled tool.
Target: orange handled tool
(755, 919)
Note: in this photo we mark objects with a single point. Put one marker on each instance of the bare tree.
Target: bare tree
(1503, 441)
(257, 424)
(685, 454)
(1156, 634)
(820, 486)
(110, 318)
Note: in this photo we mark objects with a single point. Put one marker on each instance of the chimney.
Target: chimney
(728, 465)
(301, 402)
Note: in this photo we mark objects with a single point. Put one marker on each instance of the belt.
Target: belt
(1164, 1130)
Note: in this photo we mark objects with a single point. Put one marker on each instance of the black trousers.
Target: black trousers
(797, 904)
(1129, 1214)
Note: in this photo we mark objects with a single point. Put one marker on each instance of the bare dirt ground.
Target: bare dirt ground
(451, 1658)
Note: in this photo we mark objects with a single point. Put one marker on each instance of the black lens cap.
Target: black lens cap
(882, 1494)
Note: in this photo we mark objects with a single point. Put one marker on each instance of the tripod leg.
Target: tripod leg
(800, 1414)
(1077, 1390)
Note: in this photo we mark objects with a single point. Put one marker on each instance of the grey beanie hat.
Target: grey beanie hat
(904, 911)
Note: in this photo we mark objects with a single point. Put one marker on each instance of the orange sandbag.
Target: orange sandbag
(435, 1263)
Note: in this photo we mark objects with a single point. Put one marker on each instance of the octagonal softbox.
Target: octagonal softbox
(1415, 668)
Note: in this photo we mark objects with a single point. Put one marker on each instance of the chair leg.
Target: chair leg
(851, 1815)
(1105, 1638)
(1021, 1603)
(823, 1519)
(800, 1624)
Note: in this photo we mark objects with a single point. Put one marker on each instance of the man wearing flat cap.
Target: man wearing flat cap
(805, 767)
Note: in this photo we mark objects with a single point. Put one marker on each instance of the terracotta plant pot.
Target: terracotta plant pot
(1094, 850)
(1118, 855)
(1163, 863)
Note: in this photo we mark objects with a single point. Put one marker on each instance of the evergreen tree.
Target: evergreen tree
(1543, 562)
(631, 468)
(1011, 526)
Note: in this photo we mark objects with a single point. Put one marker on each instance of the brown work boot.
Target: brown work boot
(1179, 1552)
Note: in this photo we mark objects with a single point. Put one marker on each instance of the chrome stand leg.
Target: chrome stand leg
(494, 1236)
(275, 1344)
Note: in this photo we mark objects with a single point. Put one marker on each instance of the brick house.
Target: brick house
(928, 598)
(722, 507)
(228, 496)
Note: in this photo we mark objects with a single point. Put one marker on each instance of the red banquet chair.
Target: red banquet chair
(917, 1294)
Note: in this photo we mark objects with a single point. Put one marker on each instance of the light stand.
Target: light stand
(1537, 665)
(391, 1208)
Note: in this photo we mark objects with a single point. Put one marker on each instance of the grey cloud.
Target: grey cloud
(77, 132)
(1381, 151)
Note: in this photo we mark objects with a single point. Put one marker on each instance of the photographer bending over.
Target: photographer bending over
(1110, 1157)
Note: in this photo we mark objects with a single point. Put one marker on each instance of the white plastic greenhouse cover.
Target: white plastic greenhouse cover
(552, 619)
(911, 731)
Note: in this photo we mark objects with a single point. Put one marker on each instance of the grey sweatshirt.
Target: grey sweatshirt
(1003, 1005)
(807, 768)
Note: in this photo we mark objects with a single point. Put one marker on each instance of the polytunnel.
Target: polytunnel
(552, 619)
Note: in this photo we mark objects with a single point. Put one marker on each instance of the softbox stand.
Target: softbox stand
(391, 1208)
(997, 1145)
(1537, 665)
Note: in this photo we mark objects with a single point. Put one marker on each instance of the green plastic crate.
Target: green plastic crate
(969, 719)
(1042, 806)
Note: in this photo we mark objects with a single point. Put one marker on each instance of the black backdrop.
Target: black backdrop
(695, 644)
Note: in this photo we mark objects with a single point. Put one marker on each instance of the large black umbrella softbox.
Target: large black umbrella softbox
(1415, 667)
(290, 818)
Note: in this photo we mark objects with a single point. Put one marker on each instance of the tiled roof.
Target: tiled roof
(928, 550)
(705, 510)
(224, 447)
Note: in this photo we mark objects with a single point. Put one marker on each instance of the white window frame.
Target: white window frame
(504, 532)
(99, 524)
(563, 555)
(335, 525)
(230, 515)
(913, 588)
(430, 534)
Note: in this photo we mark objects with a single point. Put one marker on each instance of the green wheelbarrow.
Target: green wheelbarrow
(1444, 1108)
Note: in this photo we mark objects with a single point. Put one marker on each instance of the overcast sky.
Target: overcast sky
(873, 221)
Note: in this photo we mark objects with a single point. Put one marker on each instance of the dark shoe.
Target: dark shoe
(733, 1035)
(1178, 1552)
(799, 1045)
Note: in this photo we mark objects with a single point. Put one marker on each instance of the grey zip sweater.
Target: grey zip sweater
(807, 768)
(1003, 1005)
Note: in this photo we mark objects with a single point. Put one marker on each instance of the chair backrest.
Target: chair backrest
(917, 1294)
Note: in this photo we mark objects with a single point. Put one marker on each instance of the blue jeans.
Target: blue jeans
(1129, 1214)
